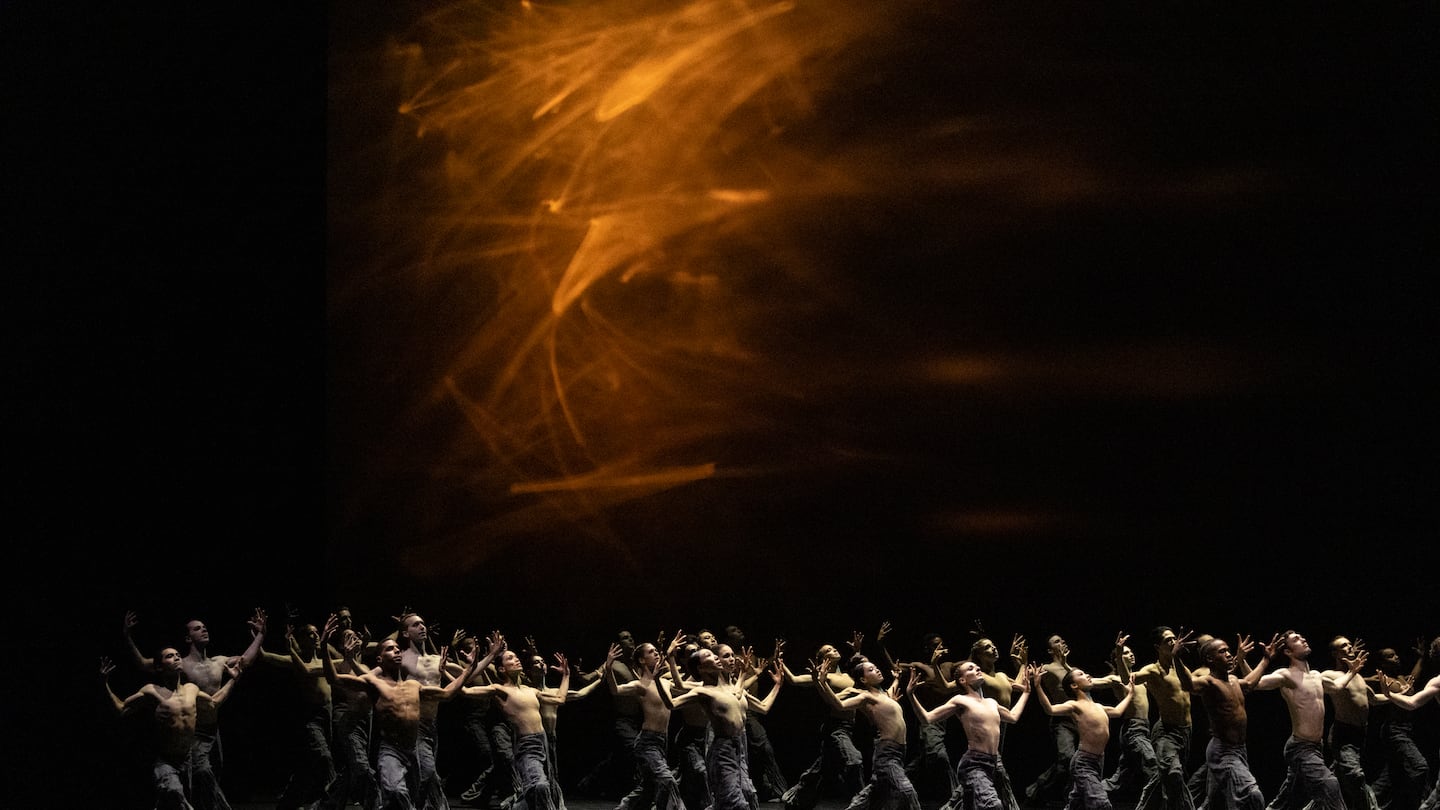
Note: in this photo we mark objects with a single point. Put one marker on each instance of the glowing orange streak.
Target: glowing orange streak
(644, 79)
(609, 243)
(604, 480)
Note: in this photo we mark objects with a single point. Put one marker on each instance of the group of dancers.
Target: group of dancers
(688, 731)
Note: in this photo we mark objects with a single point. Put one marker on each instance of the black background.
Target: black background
(188, 415)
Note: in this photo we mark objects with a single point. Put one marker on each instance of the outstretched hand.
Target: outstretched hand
(1269, 649)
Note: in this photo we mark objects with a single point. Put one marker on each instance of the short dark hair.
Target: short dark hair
(1067, 683)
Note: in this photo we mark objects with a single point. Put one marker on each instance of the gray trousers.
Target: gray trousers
(983, 784)
(1137, 758)
(396, 769)
(889, 787)
(1307, 779)
(727, 769)
(171, 780)
(204, 772)
(839, 758)
(532, 777)
(1167, 787)
(1230, 784)
(1347, 747)
(1087, 784)
(654, 781)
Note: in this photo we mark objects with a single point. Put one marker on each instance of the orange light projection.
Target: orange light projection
(610, 169)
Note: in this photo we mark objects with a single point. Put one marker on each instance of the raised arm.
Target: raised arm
(457, 683)
(612, 685)
(1338, 683)
(1252, 678)
(798, 680)
(1011, 714)
(890, 665)
(1118, 710)
(141, 660)
(562, 693)
(327, 664)
(1063, 709)
(1279, 679)
(257, 638)
(944, 710)
(106, 667)
(1182, 672)
(1412, 702)
(762, 705)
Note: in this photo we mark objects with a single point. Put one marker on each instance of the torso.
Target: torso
(1352, 703)
(1306, 700)
(980, 717)
(1225, 706)
(397, 709)
(521, 708)
(886, 715)
(208, 674)
(1172, 702)
(175, 718)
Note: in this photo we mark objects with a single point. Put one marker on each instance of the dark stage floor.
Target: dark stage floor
(605, 804)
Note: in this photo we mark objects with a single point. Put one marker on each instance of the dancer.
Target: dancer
(174, 705)
(888, 786)
(655, 783)
(1231, 785)
(1304, 694)
(1092, 724)
(726, 704)
(208, 672)
(519, 703)
(399, 710)
(1410, 703)
(983, 782)
(1171, 733)
(839, 758)
(1137, 754)
(1055, 779)
(1350, 699)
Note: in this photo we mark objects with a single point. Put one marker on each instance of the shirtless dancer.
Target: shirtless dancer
(690, 740)
(983, 783)
(208, 672)
(889, 786)
(930, 767)
(519, 703)
(1304, 693)
(1402, 783)
(174, 705)
(1350, 699)
(1412, 702)
(313, 764)
(351, 712)
(1171, 733)
(656, 785)
(1054, 779)
(839, 757)
(614, 775)
(765, 771)
(398, 701)
(419, 662)
(535, 670)
(726, 704)
(1230, 784)
(1092, 722)
(1137, 754)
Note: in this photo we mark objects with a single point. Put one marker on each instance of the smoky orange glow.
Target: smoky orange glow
(635, 201)
(605, 167)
